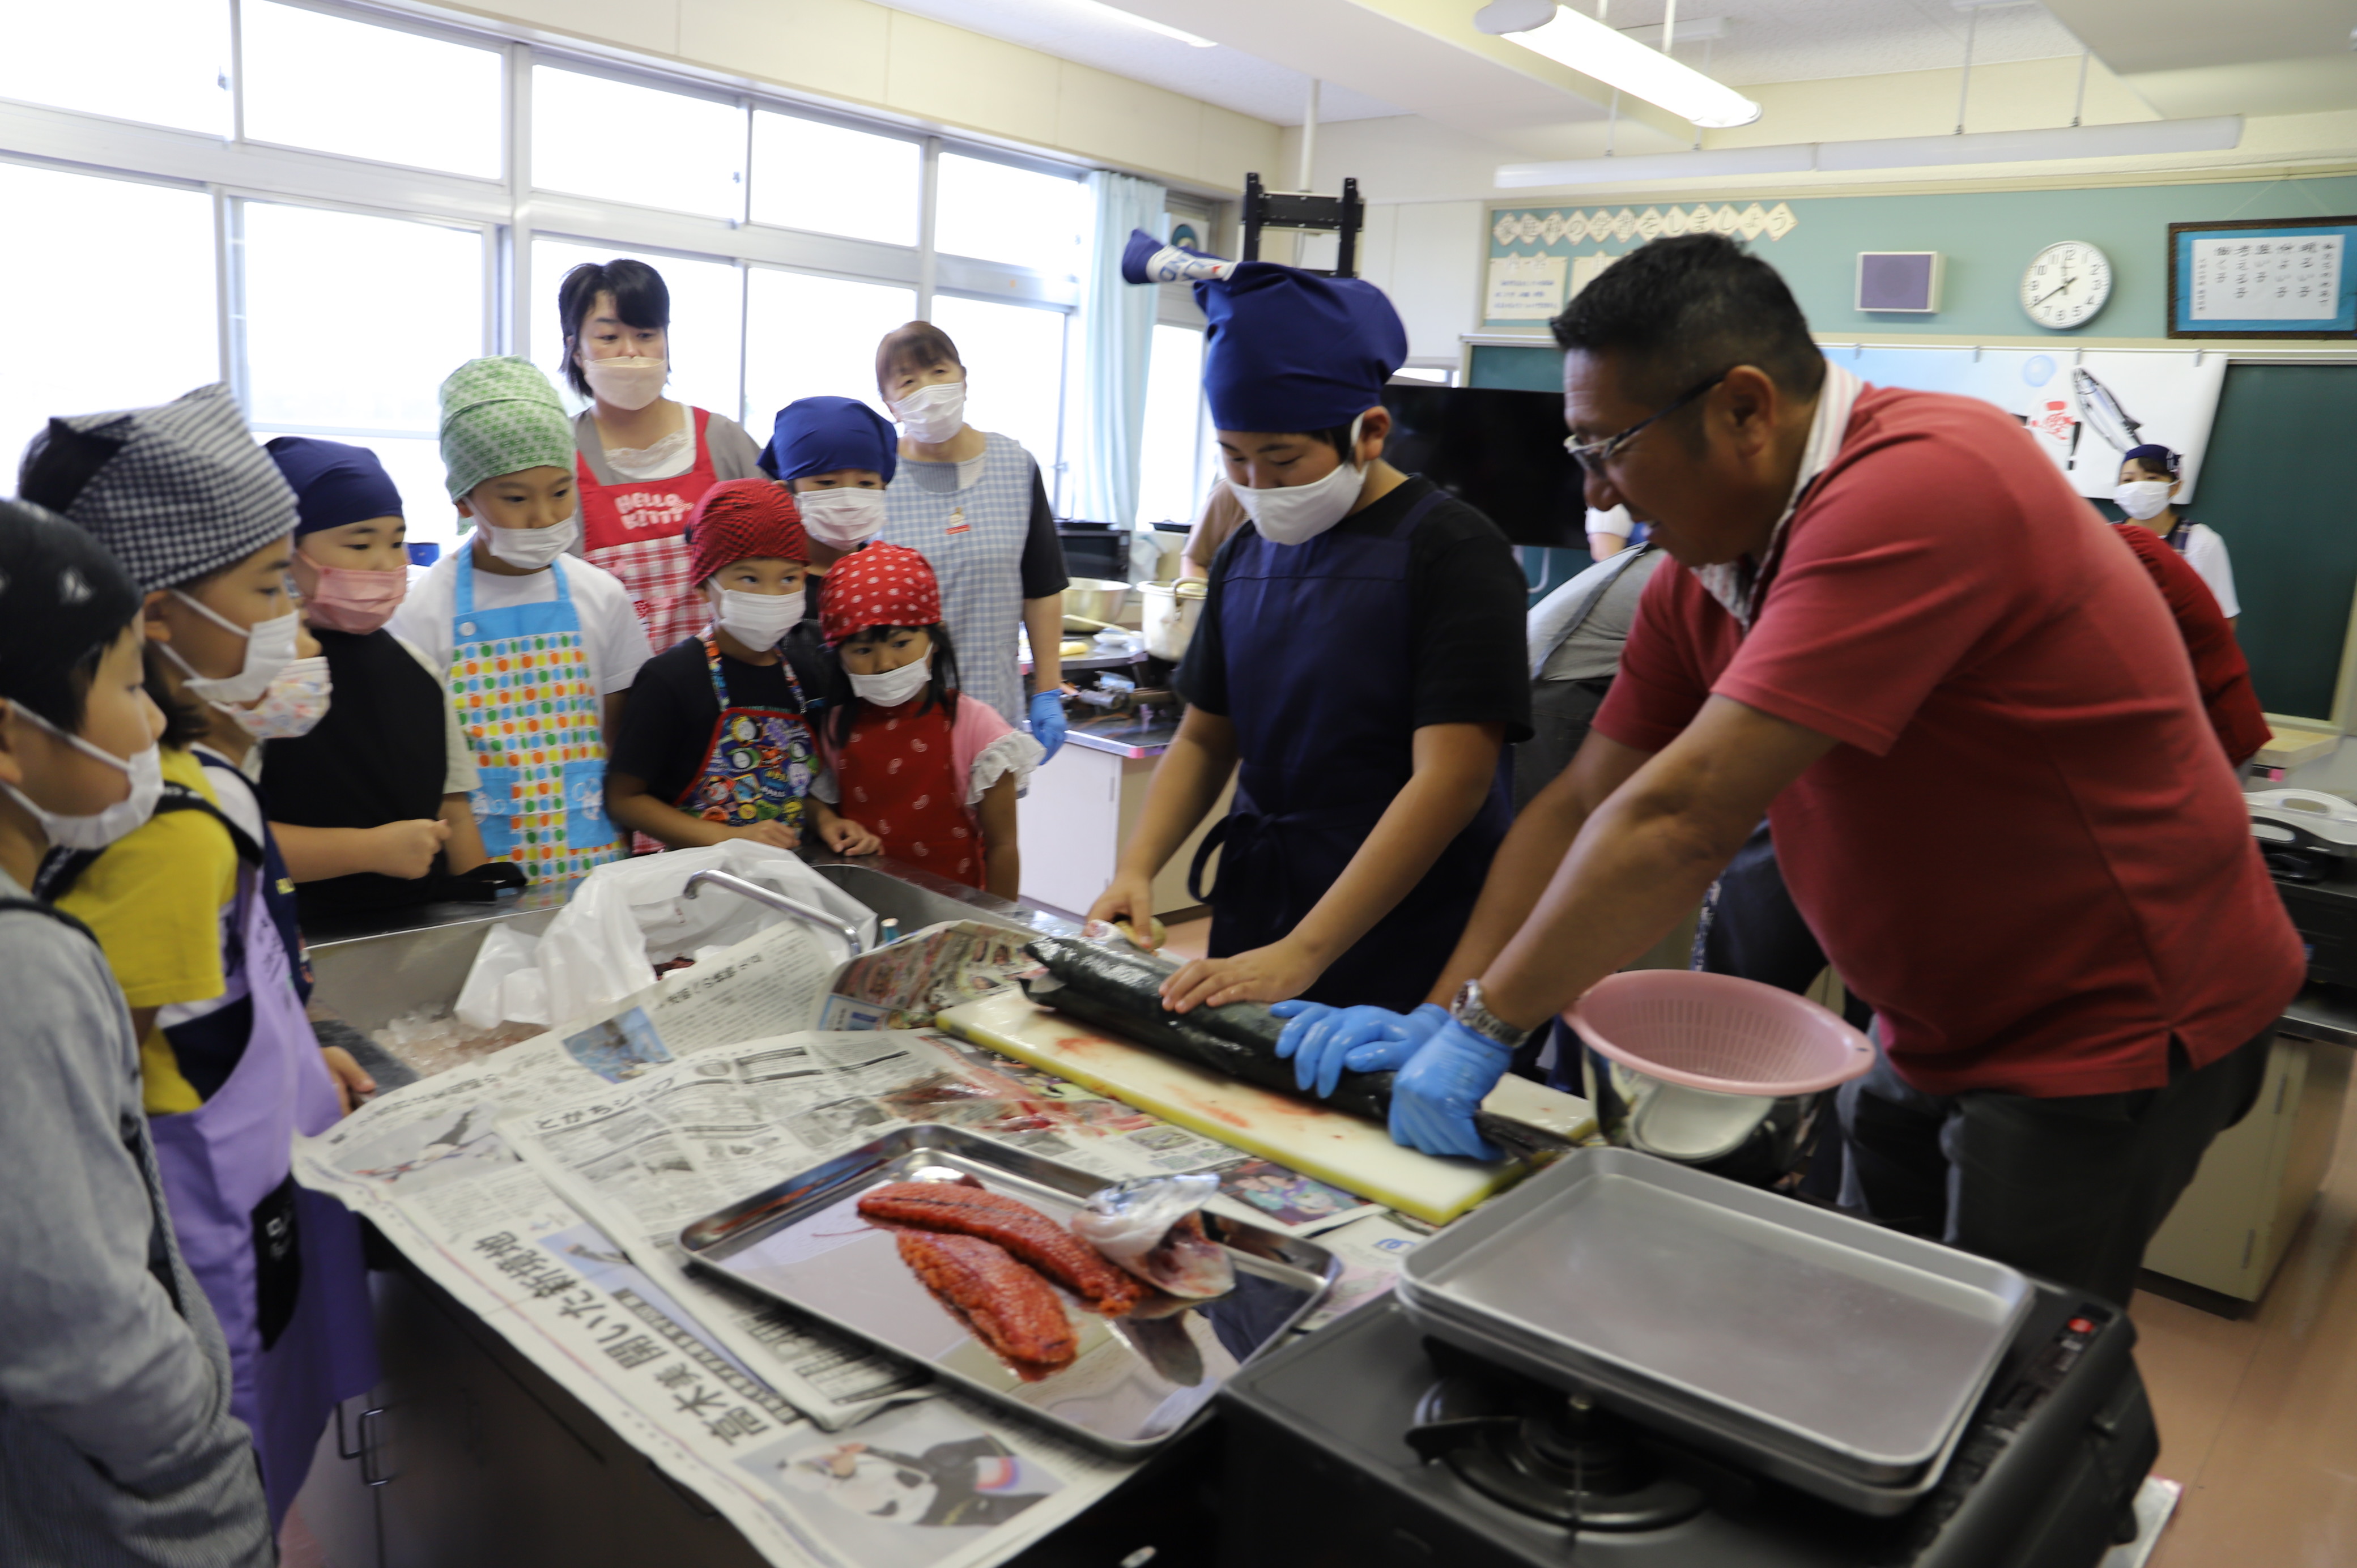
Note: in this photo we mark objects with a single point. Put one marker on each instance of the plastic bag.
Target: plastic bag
(630, 915)
(505, 981)
(1152, 1227)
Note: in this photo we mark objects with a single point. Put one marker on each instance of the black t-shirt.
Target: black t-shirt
(1466, 603)
(1043, 548)
(667, 722)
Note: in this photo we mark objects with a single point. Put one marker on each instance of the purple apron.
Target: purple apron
(280, 1264)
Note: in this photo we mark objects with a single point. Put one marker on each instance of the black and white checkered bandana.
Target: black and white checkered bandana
(176, 492)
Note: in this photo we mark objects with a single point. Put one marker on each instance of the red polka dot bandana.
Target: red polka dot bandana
(738, 519)
(884, 585)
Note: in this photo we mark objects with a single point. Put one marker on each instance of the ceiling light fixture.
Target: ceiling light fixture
(1614, 58)
(2138, 138)
(1151, 26)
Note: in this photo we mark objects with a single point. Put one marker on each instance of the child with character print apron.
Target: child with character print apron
(759, 763)
(521, 678)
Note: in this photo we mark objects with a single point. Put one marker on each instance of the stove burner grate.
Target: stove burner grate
(1557, 1457)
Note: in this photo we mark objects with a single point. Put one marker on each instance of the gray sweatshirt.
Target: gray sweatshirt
(116, 1442)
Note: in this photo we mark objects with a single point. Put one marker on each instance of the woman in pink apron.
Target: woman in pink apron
(644, 459)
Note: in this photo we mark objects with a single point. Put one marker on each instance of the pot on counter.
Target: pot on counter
(1099, 599)
(1172, 609)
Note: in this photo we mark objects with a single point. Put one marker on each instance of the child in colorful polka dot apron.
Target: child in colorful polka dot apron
(716, 742)
(540, 646)
(932, 776)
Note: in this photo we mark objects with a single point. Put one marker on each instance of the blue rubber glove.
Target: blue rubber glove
(1435, 1096)
(1047, 722)
(1321, 1040)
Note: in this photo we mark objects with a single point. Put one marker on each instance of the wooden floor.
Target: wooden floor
(2258, 1416)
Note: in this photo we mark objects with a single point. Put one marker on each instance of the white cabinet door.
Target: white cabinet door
(1070, 824)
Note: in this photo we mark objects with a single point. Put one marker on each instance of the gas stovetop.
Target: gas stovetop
(1368, 1444)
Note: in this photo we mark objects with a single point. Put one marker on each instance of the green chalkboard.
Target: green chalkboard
(2276, 485)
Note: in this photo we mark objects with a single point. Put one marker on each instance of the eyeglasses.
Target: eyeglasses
(1593, 454)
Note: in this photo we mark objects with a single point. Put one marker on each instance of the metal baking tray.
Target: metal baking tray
(1789, 1337)
(1137, 1382)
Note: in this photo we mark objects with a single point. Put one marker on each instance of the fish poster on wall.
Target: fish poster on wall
(2086, 407)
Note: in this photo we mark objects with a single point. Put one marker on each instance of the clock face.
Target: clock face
(2066, 283)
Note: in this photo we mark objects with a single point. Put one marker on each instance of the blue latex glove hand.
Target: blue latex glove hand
(1435, 1096)
(1321, 1040)
(1047, 722)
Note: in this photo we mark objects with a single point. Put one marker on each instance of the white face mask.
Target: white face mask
(530, 548)
(894, 687)
(1296, 514)
(758, 620)
(932, 414)
(295, 704)
(2143, 498)
(269, 648)
(99, 829)
(629, 381)
(844, 519)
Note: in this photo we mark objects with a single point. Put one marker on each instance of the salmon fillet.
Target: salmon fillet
(1010, 1309)
(1023, 1231)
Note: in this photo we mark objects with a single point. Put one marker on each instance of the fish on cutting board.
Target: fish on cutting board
(1119, 989)
(1309, 1136)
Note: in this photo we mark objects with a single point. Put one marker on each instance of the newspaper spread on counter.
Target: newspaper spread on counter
(545, 1186)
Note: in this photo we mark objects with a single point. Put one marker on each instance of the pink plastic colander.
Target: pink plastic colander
(1718, 1032)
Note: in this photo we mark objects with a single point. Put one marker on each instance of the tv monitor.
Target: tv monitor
(1499, 451)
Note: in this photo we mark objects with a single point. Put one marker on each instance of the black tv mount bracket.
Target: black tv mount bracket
(1344, 215)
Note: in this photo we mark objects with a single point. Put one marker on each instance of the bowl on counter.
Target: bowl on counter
(1095, 598)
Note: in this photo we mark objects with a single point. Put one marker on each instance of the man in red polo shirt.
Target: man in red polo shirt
(1972, 726)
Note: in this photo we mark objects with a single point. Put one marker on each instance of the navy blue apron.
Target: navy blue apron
(1317, 639)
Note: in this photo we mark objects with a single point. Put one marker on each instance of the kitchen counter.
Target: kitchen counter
(1130, 736)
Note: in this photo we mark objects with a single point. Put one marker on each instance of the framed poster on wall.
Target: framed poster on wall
(2264, 277)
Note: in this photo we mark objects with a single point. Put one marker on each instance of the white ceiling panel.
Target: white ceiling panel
(1813, 40)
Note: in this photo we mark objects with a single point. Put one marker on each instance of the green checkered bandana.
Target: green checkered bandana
(500, 416)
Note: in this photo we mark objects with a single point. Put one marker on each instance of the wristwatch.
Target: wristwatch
(1467, 1010)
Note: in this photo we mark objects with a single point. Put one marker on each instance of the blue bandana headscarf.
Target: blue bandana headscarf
(333, 483)
(1287, 350)
(822, 435)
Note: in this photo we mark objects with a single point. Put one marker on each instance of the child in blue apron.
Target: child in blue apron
(1358, 666)
(196, 915)
(116, 1429)
(716, 744)
(538, 645)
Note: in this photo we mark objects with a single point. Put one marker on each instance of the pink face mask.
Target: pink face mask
(347, 598)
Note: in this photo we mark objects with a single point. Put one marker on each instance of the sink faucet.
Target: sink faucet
(844, 929)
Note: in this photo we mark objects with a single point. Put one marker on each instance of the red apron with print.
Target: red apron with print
(637, 531)
(899, 778)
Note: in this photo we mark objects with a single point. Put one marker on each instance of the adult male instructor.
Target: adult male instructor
(1974, 727)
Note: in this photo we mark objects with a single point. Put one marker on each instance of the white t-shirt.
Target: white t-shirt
(611, 632)
(2206, 553)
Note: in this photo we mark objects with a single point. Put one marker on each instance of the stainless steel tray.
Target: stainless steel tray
(1137, 1381)
(1776, 1332)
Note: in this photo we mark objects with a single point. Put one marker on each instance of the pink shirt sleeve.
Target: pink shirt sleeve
(976, 725)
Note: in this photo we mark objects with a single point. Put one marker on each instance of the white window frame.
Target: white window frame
(509, 211)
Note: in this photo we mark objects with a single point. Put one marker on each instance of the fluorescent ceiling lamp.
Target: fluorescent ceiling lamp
(1614, 58)
(1151, 26)
(2146, 138)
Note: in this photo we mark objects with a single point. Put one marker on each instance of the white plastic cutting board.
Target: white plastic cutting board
(1355, 1154)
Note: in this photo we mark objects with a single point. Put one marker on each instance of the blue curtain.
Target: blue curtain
(1117, 324)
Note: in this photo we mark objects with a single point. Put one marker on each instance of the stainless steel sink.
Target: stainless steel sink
(415, 960)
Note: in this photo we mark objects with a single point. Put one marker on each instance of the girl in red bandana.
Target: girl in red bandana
(932, 777)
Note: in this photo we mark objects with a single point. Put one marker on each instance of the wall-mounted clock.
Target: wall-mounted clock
(2066, 283)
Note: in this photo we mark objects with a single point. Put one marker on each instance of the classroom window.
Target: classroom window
(813, 337)
(707, 320)
(997, 212)
(831, 179)
(1014, 359)
(1170, 459)
(592, 135)
(421, 101)
(164, 62)
(102, 243)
